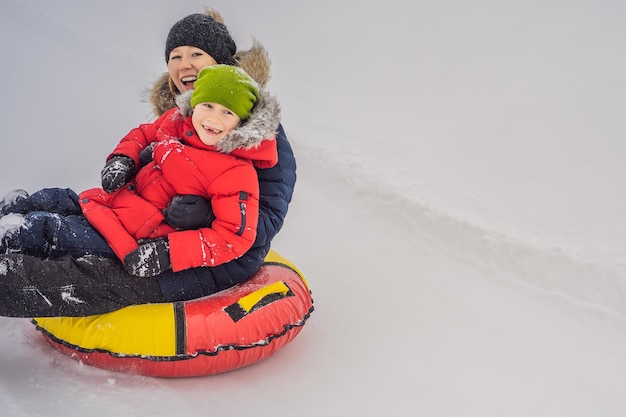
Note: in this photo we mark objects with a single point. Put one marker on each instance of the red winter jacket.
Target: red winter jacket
(182, 164)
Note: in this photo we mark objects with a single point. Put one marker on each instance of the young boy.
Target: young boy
(208, 146)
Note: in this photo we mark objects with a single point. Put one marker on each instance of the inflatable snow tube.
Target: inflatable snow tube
(209, 335)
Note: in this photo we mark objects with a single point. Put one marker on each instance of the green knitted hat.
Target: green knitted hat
(226, 85)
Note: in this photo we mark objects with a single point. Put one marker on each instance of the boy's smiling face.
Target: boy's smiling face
(213, 121)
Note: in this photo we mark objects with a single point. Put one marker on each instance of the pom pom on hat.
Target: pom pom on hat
(226, 85)
(204, 32)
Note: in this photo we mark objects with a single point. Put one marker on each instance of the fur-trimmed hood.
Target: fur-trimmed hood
(262, 123)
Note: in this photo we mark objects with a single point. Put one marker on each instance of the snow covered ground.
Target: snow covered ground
(459, 212)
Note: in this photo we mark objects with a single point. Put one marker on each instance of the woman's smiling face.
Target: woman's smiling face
(184, 63)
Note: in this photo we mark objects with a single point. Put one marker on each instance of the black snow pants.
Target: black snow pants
(35, 287)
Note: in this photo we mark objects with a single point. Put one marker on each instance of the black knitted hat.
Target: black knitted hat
(204, 32)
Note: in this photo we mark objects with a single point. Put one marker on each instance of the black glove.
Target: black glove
(117, 172)
(145, 156)
(151, 258)
(188, 212)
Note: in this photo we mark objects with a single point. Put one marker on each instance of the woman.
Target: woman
(75, 277)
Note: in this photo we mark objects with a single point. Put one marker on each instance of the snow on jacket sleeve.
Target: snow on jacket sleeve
(140, 137)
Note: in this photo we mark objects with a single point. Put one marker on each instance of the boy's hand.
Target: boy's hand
(188, 212)
(117, 172)
(149, 259)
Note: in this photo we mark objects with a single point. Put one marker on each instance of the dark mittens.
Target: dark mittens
(149, 259)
